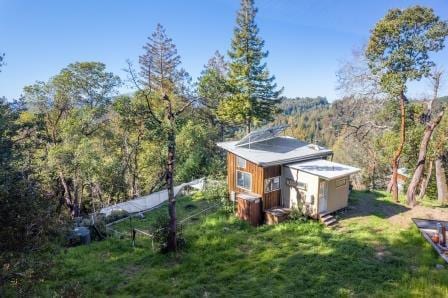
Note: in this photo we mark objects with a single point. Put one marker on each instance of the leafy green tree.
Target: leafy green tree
(398, 51)
(28, 217)
(253, 92)
(72, 108)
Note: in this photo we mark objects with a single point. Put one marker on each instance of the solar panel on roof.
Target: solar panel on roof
(262, 134)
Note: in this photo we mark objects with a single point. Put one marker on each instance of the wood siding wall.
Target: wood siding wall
(259, 174)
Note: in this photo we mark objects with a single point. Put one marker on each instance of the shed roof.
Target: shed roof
(276, 151)
(324, 168)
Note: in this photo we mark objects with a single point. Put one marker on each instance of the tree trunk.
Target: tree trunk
(442, 189)
(389, 185)
(76, 204)
(397, 154)
(425, 181)
(221, 126)
(412, 189)
(172, 228)
(67, 194)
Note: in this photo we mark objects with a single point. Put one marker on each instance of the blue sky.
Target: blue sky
(307, 40)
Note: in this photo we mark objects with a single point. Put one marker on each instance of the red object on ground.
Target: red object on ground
(435, 238)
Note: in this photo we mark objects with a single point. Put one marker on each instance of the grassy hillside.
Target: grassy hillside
(367, 255)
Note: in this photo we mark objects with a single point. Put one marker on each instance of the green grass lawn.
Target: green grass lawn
(366, 256)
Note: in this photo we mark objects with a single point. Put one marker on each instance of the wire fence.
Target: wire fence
(134, 232)
(149, 202)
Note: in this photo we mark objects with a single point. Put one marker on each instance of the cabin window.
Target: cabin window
(243, 180)
(272, 184)
(341, 182)
(240, 162)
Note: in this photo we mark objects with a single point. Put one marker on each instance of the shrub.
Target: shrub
(160, 233)
(297, 215)
(217, 192)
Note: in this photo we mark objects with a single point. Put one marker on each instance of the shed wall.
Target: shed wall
(259, 174)
(290, 195)
(337, 196)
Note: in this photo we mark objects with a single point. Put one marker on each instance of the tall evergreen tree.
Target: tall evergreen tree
(254, 94)
(213, 88)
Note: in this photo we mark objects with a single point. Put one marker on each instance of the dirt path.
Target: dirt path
(405, 218)
(398, 214)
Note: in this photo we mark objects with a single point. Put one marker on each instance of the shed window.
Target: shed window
(341, 182)
(296, 184)
(243, 180)
(301, 185)
(272, 184)
(240, 162)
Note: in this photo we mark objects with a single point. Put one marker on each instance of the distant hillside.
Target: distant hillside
(291, 106)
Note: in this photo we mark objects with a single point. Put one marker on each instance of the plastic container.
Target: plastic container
(83, 233)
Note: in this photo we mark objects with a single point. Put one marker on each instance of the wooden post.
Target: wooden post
(133, 237)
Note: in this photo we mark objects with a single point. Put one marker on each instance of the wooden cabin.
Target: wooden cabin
(278, 173)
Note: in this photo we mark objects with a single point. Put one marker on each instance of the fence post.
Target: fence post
(133, 237)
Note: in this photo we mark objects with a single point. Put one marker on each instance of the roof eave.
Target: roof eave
(295, 159)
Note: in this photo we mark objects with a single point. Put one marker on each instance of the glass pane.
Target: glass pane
(247, 180)
(241, 162)
(276, 183)
(239, 179)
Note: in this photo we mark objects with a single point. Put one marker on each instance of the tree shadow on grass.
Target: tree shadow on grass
(307, 260)
(227, 257)
(371, 203)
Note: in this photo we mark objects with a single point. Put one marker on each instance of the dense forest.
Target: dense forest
(72, 143)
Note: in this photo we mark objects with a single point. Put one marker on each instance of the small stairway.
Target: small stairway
(327, 219)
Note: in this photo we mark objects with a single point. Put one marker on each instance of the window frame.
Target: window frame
(302, 186)
(266, 181)
(242, 187)
(240, 160)
(296, 184)
(340, 185)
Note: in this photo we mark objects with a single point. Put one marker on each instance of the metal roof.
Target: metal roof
(276, 151)
(324, 168)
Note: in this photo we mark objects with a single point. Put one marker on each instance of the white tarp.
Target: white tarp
(152, 200)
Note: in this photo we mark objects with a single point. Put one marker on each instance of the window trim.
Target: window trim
(236, 180)
(302, 186)
(240, 159)
(271, 178)
(340, 185)
(296, 184)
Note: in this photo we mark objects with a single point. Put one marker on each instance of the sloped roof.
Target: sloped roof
(324, 168)
(276, 151)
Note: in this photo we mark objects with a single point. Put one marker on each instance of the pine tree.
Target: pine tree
(254, 94)
(160, 62)
(213, 89)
